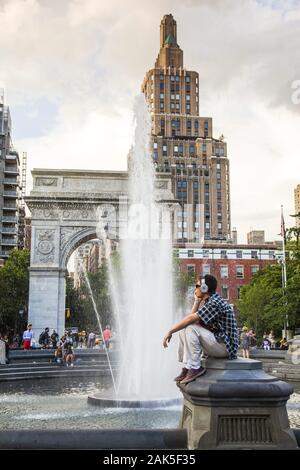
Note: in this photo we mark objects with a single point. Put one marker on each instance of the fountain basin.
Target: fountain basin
(109, 402)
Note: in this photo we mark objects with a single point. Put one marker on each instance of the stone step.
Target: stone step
(56, 373)
(53, 364)
(29, 370)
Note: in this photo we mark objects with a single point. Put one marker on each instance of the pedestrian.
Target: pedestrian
(68, 338)
(272, 339)
(54, 339)
(17, 341)
(211, 329)
(107, 335)
(69, 354)
(44, 338)
(284, 344)
(91, 340)
(252, 338)
(58, 355)
(245, 342)
(75, 339)
(27, 337)
(266, 343)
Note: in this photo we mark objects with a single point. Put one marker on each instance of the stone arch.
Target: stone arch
(81, 236)
(64, 206)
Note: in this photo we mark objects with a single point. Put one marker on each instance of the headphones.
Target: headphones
(203, 287)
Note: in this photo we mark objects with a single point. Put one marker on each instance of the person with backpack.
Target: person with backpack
(44, 338)
(54, 339)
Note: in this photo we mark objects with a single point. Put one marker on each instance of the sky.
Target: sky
(71, 70)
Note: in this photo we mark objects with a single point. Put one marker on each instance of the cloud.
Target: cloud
(85, 61)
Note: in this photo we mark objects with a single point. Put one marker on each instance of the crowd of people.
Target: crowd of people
(248, 340)
(64, 346)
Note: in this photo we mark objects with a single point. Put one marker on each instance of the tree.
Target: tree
(263, 304)
(14, 288)
(79, 301)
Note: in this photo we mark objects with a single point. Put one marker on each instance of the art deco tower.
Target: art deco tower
(183, 143)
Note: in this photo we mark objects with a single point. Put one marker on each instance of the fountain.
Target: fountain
(144, 287)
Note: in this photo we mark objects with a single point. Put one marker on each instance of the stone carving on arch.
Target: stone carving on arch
(71, 238)
(45, 248)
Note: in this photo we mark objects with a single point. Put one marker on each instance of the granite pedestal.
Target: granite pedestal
(236, 405)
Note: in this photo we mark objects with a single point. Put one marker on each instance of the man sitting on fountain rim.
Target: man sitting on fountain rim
(210, 329)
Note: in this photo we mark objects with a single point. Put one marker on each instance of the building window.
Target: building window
(161, 95)
(238, 292)
(188, 98)
(224, 254)
(205, 253)
(240, 272)
(191, 268)
(271, 254)
(239, 254)
(206, 125)
(205, 269)
(161, 86)
(224, 272)
(190, 253)
(187, 79)
(219, 225)
(224, 292)
(177, 97)
(161, 77)
(218, 185)
(254, 269)
(254, 254)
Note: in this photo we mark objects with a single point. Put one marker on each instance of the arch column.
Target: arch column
(47, 292)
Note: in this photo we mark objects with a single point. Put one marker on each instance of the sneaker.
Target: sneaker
(182, 375)
(193, 374)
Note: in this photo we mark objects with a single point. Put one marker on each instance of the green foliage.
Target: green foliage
(79, 301)
(263, 304)
(14, 287)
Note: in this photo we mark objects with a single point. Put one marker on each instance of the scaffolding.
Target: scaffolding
(23, 178)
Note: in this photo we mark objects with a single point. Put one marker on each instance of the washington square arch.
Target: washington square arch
(66, 207)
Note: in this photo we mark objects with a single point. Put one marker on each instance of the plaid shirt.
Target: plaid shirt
(219, 317)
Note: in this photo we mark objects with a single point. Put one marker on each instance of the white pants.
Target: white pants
(193, 340)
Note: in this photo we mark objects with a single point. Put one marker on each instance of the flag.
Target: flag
(282, 232)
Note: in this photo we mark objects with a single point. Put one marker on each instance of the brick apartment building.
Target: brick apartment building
(232, 265)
